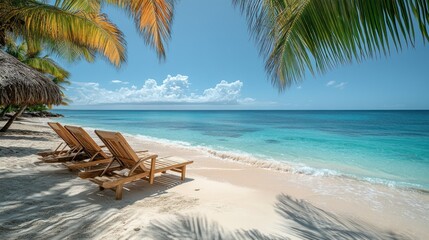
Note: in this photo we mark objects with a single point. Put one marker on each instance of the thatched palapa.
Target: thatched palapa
(22, 85)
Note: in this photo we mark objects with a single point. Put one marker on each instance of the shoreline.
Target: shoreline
(270, 163)
(234, 195)
(273, 164)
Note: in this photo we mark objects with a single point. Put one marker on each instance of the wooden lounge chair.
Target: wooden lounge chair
(95, 152)
(132, 166)
(61, 153)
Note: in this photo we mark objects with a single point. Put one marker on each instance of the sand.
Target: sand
(220, 198)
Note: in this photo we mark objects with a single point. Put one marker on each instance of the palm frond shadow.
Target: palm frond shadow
(198, 227)
(34, 138)
(314, 223)
(15, 151)
(52, 210)
(26, 132)
(301, 219)
(15, 135)
(22, 205)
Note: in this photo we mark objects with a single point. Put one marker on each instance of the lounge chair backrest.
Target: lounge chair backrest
(68, 138)
(88, 144)
(120, 148)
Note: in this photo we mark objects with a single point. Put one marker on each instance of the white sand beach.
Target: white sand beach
(219, 199)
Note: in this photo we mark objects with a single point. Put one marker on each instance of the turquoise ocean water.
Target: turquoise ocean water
(386, 147)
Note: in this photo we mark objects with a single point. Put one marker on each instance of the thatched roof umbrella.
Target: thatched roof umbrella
(22, 85)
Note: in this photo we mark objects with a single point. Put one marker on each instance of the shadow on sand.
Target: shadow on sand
(57, 204)
(301, 219)
(25, 132)
(17, 151)
(314, 223)
(21, 137)
(197, 227)
(12, 138)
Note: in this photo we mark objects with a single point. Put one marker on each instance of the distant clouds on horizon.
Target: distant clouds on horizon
(172, 90)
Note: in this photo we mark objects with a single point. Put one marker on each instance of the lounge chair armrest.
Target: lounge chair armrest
(152, 157)
(145, 158)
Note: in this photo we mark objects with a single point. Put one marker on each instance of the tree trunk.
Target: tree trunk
(4, 111)
(10, 121)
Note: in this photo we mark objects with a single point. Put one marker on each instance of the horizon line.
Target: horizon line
(239, 109)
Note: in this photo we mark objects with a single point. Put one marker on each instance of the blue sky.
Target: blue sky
(213, 64)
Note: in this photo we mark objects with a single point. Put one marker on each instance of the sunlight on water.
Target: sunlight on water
(389, 147)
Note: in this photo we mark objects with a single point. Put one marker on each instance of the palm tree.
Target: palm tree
(300, 36)
(75, 29)
(78, 28)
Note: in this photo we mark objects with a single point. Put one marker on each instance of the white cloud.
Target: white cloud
(341, 85)
(119, 81)
(334, 84)
(330, 83)
(174, 89)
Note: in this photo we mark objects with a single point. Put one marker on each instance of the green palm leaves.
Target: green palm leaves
(77, 28)
(44, 22)
(296, 37)
(301, 36)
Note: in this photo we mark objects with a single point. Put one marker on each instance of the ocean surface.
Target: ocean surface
(384, 147)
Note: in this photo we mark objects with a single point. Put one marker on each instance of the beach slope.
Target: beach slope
(219, 198)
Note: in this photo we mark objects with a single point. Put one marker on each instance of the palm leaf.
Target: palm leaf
(48, 66)
(313, 36)
(153, 19)
(89, 6)
(68, 50)
(85, 29)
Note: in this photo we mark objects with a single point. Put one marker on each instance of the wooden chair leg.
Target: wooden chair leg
(119, 192)
(152, 176)
(152, 171)
(183, 173)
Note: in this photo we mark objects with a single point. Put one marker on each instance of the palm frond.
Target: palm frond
(300, 36)
(153, 19)
(12, 48)
(68, 50)
(86, 29)
(48, 66)
(89, 6)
